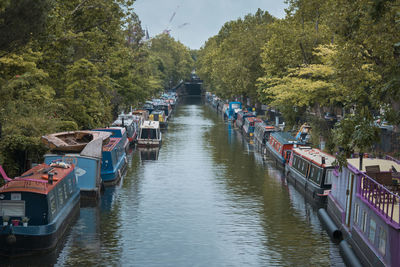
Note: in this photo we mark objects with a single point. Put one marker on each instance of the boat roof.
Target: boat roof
(385, 165)
(35, 180)
(315, 155)
(284, 137)
(253, 119)
(110, 145)
(127, 121)
(116, 131)
(151, 124)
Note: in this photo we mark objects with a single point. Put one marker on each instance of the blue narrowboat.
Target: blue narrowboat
(86, 159)
(364, 206)
(280, 145)
(232, 110)
(37, 208)
(114, 160)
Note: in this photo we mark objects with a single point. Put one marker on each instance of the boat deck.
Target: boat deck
(36, 179)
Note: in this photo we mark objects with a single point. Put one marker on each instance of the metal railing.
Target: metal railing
(382, 199)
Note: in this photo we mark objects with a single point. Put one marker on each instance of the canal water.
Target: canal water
(204, 199)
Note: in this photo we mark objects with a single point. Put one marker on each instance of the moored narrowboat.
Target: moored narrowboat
(129, 122)
(249, 124)
(364, 206)
(280, 145)
(159, 115)
(150, 134)
(311, 170)
(241, 116)
(143, 113)
(37, 208)
(114, 160)
(262, 132)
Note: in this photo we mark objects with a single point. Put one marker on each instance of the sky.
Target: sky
(195, 21)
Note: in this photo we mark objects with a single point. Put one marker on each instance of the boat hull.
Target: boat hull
(111, 177)
(20, 240)
(311, 191)
(280, 161)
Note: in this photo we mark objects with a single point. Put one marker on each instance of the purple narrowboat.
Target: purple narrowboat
(364, 205)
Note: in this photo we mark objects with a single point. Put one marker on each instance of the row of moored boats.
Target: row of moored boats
(360, 201)
(37, 207)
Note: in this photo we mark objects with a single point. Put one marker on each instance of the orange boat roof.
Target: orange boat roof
(35, 180)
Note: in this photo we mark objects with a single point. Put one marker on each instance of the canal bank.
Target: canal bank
(206, 199)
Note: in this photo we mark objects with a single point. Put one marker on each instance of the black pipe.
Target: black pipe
(361, 161)
(348, 254)
(333, 231)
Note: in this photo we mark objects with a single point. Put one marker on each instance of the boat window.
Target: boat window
(372, 230)
(12, 208)
(148, 134)
(70, 186)
(312, 172)
(382, 241)
(60, 196)
(235, 106)
(315, 174)
(364, 221)
(65, 190)
(328, 177)
(53, 205)
(357, 212)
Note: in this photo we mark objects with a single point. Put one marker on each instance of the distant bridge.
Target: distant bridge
(193, 87)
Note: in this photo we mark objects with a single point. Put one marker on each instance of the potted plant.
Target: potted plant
(5, 220)
(25, 221)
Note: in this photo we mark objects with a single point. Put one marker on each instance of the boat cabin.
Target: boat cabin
(364, 203)
(280, 145)
(37, 207)
(150, 134)
(311, 169)
(249, 124)
(241, 116)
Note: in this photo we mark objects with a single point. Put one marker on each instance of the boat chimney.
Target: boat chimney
(361, 160)
(123, 122)
(50, 178)
(323, 160)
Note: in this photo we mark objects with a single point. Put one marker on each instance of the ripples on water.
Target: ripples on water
(206, 199)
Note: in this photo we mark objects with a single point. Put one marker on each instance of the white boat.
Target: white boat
(149, 134)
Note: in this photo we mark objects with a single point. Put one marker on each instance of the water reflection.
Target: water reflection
(148, 153)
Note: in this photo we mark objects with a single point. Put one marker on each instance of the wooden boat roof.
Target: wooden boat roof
(315, 155)
(385, 165)
(73, 141)
(35, 180)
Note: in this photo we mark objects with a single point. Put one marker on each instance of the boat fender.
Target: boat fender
(348, 254)
(333, 231)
